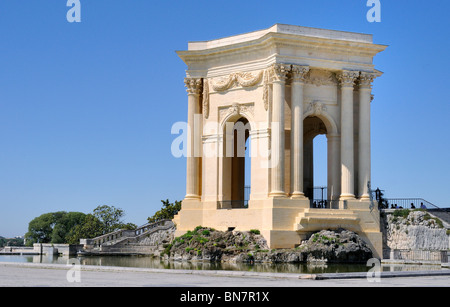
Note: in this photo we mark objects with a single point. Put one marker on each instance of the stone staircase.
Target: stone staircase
(317, 219)
(143, 240)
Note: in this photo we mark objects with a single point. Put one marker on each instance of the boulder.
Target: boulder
(339, 246)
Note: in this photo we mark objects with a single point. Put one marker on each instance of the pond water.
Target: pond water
(150, 262)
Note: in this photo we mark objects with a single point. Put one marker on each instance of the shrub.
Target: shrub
(255, 231)
(197, 229)
(401, 213)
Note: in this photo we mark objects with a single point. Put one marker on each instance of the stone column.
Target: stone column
(365, 93)
(193, 88)
(334, 169)
(279, 75)
(298, 77)
(347, 80)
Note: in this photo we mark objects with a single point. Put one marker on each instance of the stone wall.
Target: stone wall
(414, 230)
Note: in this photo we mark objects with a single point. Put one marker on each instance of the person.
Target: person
(412, 206)
(422, 206)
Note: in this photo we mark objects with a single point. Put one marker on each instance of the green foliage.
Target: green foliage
(53, 227)
(317, 238)
(437, 221)
(255, 231)
(111, 218)
(90, 228)
(401, 213)
(11, 242)
(70, 227)
(167, 211)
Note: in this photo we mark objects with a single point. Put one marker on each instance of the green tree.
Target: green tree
(65, 226)
(90, 228)
(111, 218)
(167, 211)
(10, 241)
(52, 227)
(70, 227)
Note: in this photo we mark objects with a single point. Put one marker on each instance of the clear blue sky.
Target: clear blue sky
(86, 108)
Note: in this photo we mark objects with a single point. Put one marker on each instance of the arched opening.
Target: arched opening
(248, 170)
(315, 162)
(320, 171)
(236, 164)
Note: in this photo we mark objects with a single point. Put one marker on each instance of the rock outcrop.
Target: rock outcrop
(413, 230)
(206, 244)
(211, 245)
(340, 246)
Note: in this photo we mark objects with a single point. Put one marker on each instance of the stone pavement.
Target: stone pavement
(57, 275)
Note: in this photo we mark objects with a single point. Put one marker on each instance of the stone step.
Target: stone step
(312, 218)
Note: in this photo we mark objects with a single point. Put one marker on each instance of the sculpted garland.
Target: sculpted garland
(277, 72)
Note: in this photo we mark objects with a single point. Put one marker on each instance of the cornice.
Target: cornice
(275, 40)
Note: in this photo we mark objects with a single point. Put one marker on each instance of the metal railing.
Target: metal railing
(318, 198)
(406, 203)
(236, 204)
(232, 204)
(324, 203)
(440, 256)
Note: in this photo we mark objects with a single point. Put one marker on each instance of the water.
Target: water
(156, 263)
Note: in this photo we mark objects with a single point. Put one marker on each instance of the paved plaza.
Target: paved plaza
(52, 275)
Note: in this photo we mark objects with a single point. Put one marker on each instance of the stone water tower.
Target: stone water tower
(271, 92)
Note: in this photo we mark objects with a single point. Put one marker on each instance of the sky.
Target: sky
(86, 108)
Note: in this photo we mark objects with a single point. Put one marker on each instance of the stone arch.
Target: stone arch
(319, 109)
(235, 128)
(236, 111)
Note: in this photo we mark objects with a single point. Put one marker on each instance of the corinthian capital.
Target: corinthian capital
(193, 86)
(280, 71)
(347, 78)
(299, 73)
(366, 79)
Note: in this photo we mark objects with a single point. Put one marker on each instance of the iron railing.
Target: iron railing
(232, 204)
(236, 204)
(406, 203)
(324, 203)
(319, 199)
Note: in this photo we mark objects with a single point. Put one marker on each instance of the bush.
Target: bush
(401, 213)
(255, 231)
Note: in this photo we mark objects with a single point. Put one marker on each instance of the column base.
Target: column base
(192, 197)
(364, 197)
(347, 197)
(298, 195)
(277, 194)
